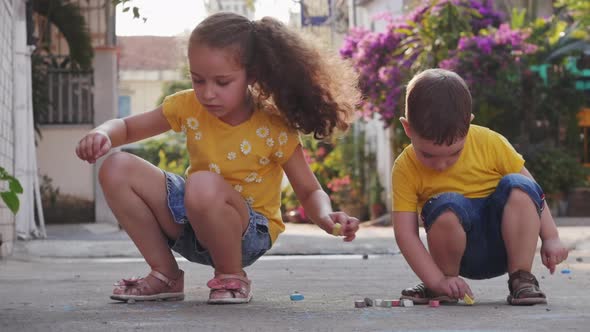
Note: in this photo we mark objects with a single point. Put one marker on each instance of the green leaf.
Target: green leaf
(11, 201)
(135, 12)
(126, 9)
(15, 186)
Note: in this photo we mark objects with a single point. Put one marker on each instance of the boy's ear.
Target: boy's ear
(406, 126)
(472, 117)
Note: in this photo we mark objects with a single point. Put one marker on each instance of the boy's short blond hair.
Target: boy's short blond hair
(438, 106)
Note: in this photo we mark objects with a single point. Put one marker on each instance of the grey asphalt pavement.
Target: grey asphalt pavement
(63, 284)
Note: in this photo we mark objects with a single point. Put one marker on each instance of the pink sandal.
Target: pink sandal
(138, 289)
(229, 289)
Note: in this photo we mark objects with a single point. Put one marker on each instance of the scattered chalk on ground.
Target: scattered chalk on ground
(434, 303)
(368, 302)
(579, 259)
(360, 304)
(297, 297)
(407, 303)
(566, 271)
(468, 300)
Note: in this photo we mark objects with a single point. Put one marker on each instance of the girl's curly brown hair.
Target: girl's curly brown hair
(315, 91)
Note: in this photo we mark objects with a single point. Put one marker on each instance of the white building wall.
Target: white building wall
(234, 6)
(72, 175)
(105, 108)
(7, 220)
(144, 87)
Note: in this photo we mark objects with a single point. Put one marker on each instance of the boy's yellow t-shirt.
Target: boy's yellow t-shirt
(248, 156)
(486, 158)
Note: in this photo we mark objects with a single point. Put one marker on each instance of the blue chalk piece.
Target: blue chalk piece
(566, 271)
(297, 297)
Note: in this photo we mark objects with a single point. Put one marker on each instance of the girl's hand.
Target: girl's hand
(553, 252)
(93, 146)
(349, 225)
(454, 287)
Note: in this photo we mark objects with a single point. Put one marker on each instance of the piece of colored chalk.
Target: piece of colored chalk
(395, 303)
(407, 303)
(360, 304)
(468, 300)
(378, 302)
(386, 304)
(566, 271)
(368, 302)
(336, 229)
(434, 303)
(297, 297)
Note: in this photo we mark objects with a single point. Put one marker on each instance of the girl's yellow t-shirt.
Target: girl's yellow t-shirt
(486, 158)
(248, 156)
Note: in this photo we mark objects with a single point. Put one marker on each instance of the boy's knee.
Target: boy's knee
(520, 189)
(519, 196)
(446, 210)
(448, 220)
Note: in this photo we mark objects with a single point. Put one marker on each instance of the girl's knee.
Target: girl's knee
(203, 190)
(115, 168)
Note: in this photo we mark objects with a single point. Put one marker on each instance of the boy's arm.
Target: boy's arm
(314, 200)
(553, 251)
(405, 227)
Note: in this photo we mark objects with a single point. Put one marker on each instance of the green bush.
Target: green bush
(555, 170)
(167, 151)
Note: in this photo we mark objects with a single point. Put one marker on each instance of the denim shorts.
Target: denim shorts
(485, 253)
(255, 241)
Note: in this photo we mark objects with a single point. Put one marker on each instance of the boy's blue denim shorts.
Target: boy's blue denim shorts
(485, 253)
(255, 241)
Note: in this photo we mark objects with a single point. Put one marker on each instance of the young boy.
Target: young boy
(482, 210)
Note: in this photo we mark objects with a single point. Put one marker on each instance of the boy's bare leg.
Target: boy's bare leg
(136, 193)
(219, 216)
(520, 230)
(446, 243)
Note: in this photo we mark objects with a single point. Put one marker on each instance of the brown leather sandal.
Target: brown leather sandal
(524, 289)
(138, 289)
(422, 295)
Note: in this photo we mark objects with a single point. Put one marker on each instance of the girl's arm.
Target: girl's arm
(117, 132)
(314, 200)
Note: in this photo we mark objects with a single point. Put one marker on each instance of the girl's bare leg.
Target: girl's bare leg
(219, 216)
(135, 191)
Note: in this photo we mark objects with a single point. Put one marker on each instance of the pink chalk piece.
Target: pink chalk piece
(434, 303)
(395, 303)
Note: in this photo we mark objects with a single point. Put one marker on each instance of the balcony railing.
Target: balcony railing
(70, 97)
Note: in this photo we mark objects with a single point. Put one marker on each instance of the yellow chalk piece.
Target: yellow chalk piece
(468, 300)
(336, 229)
